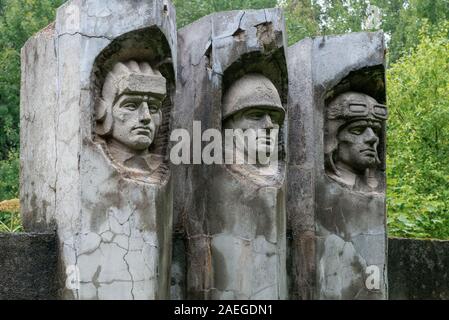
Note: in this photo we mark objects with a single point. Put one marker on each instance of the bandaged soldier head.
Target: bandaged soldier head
(128, 114)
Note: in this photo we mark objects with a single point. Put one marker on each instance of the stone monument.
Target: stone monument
(336, 172)
(97, 95)
(280, 192)
(232, 213)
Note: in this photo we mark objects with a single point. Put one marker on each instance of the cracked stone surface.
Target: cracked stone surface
(115, 229)
(233, 225)
(230, 225)
(337, 231)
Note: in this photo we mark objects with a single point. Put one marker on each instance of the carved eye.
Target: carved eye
(377, 129)
(255, 115)
(276, 117)
(153, 108)
(357, 130)
(130, 106)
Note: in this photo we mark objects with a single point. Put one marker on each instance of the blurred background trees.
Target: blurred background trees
(417, 33)
(418, 137)
(18, 21)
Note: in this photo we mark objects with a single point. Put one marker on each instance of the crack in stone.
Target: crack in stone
(116, 280)
(84, 35)
(95, 281)
(56, 121)
(259, 291)
(127, 252)
(240, 21)
(235, 236)
(265, 14)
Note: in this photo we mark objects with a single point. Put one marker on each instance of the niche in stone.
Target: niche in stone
(354, 140)
(252, 106)
(253, 102)
(132, 83)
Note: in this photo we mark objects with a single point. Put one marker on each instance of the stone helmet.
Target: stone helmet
(126, 77)
(345, 109)
(251, 90)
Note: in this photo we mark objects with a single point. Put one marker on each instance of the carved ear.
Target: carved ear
(103, 118)
(329, 163)
(104, 128)
(100, 109)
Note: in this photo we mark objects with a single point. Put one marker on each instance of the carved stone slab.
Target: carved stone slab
(97, 93)
(232, 218)
(336, 170)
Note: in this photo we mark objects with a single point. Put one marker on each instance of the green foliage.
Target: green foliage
(10, 216)
(403, 20)
(340, 16)
(9, 182)
(10, 222)
(302, 18)
(18, 21)
(418, 139)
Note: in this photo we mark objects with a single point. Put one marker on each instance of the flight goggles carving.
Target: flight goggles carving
(356, 109)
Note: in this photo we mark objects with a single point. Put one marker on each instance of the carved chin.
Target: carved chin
(142, 142)
(366, 162)
(369, 157)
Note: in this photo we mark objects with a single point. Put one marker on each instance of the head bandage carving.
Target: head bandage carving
(130, 77)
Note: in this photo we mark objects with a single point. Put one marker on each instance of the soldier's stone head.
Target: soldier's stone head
(129, 110)
(253, 102)
(354, 124)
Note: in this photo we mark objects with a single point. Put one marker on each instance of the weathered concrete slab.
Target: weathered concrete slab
(110, 200)
(336, 194)
(418, 269)
(28, 264)
(233, 221)
(300, 171)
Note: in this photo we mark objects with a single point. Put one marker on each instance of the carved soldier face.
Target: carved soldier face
(357, 145)
(136, 119)
(128, 114)
(354, 124)
(253, 102)
(263, 121)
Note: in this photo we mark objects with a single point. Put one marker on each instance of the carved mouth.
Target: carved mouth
(368, 152)
(142, 130)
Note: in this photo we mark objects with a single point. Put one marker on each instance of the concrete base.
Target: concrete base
(28, 264)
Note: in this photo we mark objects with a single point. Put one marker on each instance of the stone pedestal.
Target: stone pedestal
(28, 262)
(233, 219)
(109, 199)
(336, 171)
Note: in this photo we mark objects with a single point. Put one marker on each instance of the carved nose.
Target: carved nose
(268, 123)
(144, 113)
(371, 136)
